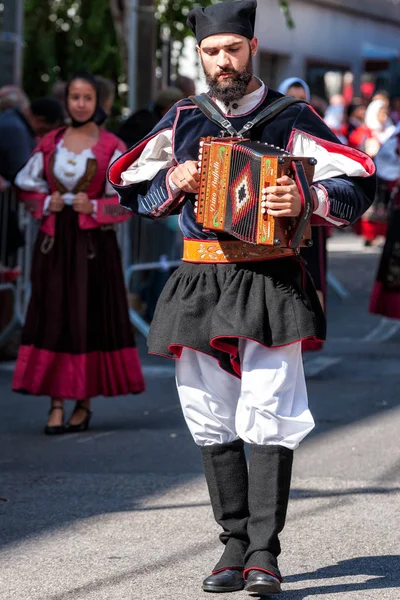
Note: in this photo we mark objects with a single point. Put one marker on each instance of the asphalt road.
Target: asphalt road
(121, 512)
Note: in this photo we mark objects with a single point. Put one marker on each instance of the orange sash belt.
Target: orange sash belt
(229, 251)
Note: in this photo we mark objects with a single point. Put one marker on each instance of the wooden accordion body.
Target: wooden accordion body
(234, 175)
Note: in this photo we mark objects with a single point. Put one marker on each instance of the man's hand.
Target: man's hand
(82, 204)
(284, 200)
(56, 203)
(186, 177)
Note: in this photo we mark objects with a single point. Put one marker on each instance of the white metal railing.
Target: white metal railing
(162, 265)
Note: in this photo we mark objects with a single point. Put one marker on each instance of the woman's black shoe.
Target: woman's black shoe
(262, 583)
(229, 580)
(83, 425)
(55, 429)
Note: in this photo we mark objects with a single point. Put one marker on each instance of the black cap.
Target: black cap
(225, 17)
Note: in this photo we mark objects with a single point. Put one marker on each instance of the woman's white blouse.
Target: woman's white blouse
(69, 168)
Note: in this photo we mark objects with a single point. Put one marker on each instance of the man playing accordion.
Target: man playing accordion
(234, 314)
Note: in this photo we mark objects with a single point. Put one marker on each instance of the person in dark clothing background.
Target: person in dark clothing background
(21, 124)
(19, 129)
(141, 122)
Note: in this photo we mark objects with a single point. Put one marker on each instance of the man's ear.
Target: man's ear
(198, 49)
(254, 46)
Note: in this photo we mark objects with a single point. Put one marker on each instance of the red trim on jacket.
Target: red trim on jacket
(360, 157)
(124, 162)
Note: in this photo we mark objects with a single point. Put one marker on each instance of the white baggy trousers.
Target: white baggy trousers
(269, 405)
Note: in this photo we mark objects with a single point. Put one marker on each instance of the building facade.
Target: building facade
(331, 38)
(334, 43)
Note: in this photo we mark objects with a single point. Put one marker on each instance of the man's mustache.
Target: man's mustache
(226, 72)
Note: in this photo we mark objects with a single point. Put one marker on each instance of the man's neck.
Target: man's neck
(254, 85)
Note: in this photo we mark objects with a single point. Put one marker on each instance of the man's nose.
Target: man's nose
(223, 60)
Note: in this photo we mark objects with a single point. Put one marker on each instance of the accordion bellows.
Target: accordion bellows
(234, 175)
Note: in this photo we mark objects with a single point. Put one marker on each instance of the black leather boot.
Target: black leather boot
(228, 580)
(270, 470)
(260, 582)
(225, 469)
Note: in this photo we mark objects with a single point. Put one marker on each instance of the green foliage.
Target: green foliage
(171, 14)
(286, 11)
(64, 36)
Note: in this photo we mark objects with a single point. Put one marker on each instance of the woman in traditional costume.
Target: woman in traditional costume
(385, 298)
(369, 137)
(77, 341)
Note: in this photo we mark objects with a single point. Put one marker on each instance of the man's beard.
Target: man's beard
(237, 87)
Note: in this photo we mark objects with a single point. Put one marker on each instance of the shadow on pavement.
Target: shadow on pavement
(375, 567)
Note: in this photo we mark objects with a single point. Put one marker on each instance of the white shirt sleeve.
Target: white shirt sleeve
(109, 190)
(31, 177)
(157, 155)
(329, 164)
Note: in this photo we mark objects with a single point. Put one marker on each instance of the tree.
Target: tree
(64, 36)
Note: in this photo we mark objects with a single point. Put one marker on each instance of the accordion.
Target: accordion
(234, 175)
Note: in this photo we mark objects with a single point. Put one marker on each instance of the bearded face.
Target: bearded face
(228, 83)
(227, 65)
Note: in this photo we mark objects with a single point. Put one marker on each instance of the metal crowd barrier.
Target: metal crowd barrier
(148, 248)
(15, 252)
(163, 265)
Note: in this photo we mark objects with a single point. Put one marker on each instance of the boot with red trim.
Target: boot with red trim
(270, 471)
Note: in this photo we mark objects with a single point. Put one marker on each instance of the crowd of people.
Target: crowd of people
(371, 125)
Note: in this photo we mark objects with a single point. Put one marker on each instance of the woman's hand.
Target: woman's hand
(56, 203)
(82, 204)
